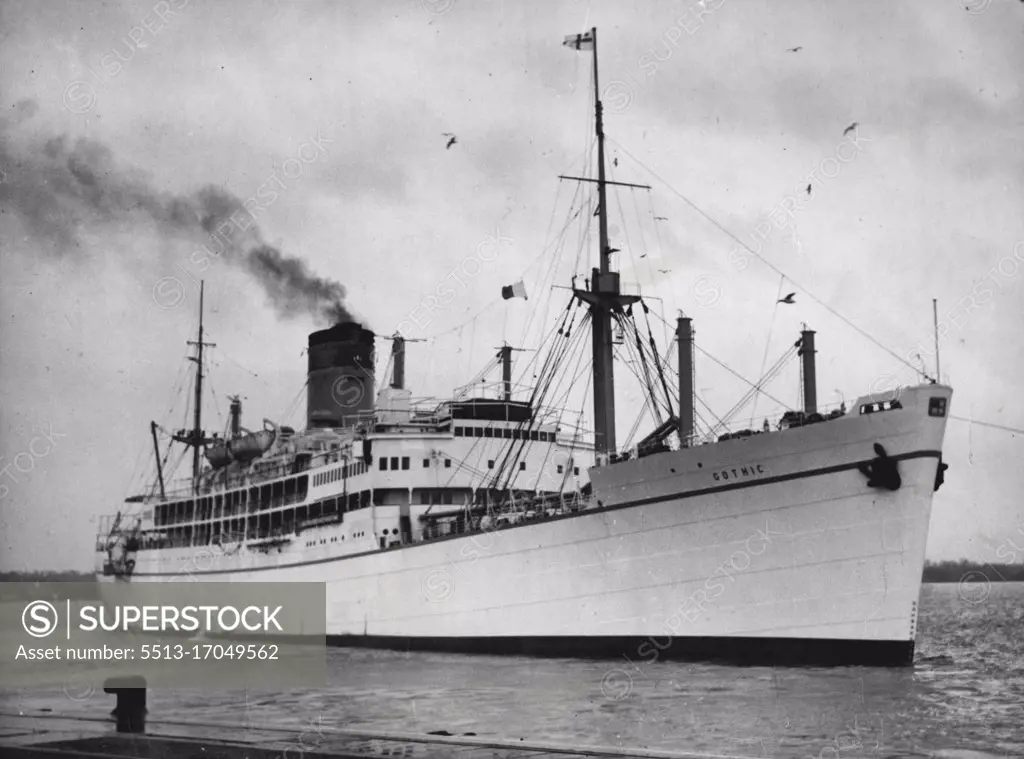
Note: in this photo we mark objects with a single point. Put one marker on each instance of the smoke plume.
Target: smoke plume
(61, 189)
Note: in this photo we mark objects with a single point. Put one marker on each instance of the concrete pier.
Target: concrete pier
(51, 737)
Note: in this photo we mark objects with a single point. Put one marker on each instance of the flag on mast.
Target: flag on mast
(516, 290)
(583, 41)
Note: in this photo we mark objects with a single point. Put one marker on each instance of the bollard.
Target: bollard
(130, 709)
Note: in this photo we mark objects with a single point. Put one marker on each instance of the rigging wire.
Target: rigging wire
(735, 373)
(988, 424)
(767, 345)
(768, 263)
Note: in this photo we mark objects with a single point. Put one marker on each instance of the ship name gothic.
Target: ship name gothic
(737, 473)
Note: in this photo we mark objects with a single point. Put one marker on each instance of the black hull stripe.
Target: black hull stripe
(598, 510)
(764, 481)
(634, 653)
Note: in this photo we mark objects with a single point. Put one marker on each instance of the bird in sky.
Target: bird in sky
(850, 128)
(665, 271)
(788, 299)
(808, 189)
(451, 140)
(661, 218)
(796, 49)
(615, 162)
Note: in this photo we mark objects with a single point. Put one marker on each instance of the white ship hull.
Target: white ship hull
(768, 549)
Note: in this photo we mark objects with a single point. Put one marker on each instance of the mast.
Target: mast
(601, 189)
(197, 419)
(604, 365)
(159, 466)
(505, 354)
(684, 336)
(809, 374)
(398, 353)
(195, 438)
(603, 296)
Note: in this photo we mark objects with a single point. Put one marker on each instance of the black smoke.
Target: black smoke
(60, 188)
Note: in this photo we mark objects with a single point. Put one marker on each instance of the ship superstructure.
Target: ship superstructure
(497, 523)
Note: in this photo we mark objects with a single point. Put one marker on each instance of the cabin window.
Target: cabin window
(424, 497)
(447, 498)
(560, 468)
(490, 463)
(394, 463)
(576, 470)
(426, 463)
(405, 462)
(522, 466)
(458, 432)
(478, 432)
(506, 433)
(447, 463)
(383, 464)
(488, 432)
(937, 407)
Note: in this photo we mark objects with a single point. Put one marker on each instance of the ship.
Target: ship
(494, 522)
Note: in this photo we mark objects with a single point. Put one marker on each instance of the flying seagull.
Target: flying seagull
(451, 140)
(849, 128)
(787, 299)
(665, 271)
(661, 218)
(808, 189)
(796, 49)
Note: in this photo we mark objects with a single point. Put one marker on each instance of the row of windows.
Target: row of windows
(506, 433)
(278, 523)
(339, 473)
(337, 539)
(522, 467)
(233, 502)
(403, 463)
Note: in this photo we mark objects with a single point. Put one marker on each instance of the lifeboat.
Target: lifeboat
(251, 446)
(218, 454)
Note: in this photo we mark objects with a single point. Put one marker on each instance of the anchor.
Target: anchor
(940, 473)
(882, 471)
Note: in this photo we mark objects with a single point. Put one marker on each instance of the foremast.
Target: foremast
(195, 437)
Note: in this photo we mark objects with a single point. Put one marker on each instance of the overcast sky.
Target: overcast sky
(118, 119)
